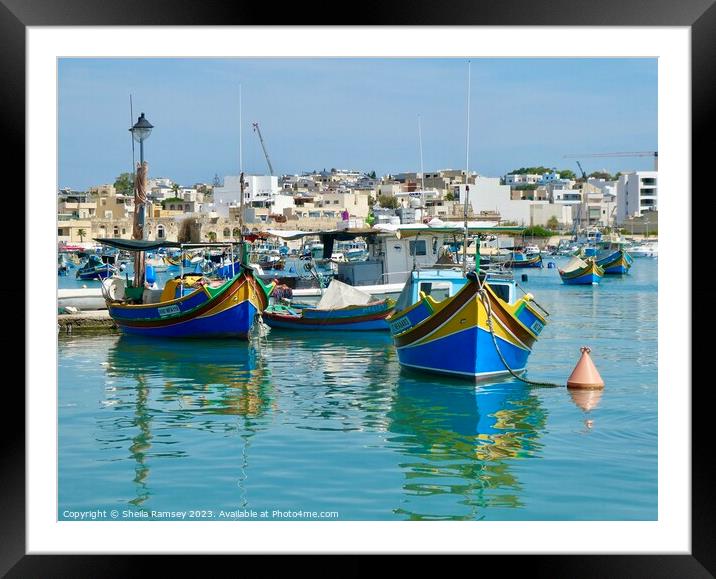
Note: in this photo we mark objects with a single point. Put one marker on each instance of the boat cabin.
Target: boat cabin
(444, 283)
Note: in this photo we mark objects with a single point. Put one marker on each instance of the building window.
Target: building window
(227, 232)
(160, 231)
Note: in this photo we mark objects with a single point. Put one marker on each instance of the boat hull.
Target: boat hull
(591, 274)
(362, 318)
(227, 312)
(529, 262)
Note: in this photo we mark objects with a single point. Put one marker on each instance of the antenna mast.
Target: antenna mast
(422, 170)
(467, 180)
(131, 122)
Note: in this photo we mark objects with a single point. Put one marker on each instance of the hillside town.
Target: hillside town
(319, 200)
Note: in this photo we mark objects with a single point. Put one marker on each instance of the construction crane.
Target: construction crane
(654, 154)
(584, 175)
(263, 146)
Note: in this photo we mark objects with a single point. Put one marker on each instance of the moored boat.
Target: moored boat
(471, 325)
(189, 306)
(342, 307)
(581, 272)
(95, 268)
(518, 259)
(615, 262)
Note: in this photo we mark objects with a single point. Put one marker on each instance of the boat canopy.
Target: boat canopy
(147, 245)
(136, 244)
(404, 231)
(574, 264)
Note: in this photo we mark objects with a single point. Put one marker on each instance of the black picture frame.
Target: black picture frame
(17, 15)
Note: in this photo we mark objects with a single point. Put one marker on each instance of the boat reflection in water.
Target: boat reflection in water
(459, 442)
(172, 386)
(343, 382)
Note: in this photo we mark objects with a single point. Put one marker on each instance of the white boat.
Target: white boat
(81, 299)
(650, 249)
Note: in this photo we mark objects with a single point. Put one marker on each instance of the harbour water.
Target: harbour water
(295, 424)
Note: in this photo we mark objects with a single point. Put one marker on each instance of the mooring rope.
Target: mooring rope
(488, 308)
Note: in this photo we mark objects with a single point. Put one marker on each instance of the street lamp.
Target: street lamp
(140, 132)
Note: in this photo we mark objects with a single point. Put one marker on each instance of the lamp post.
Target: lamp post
(140, 133)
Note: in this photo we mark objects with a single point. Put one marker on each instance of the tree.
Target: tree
(175, 188)
(449, 196)
(601, 175)
(81, 233)
(530, 171)
(567, 174)
(388, 201)
(552, 222)
(124, 184)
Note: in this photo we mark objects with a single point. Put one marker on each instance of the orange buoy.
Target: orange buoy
(585, 374)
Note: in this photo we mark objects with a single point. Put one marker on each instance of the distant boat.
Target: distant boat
(342, 307)
(63, 265)
(614, 261)
(95, 268)
(581, 272)
(158, 262)
(187, 261)
(650, 249)
(518, 259)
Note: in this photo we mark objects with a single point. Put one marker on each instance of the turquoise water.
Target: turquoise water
(292, 424)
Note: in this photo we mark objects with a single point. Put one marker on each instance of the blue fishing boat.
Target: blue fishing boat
(342, 307)
(63, 264)
(612, 257)
(95, 268)
(471, 325)
(518, 259)
(616, 262)
(189, 306)
(581, 272)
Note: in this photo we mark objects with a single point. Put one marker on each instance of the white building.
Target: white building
(259, 190)
(636, 194)
(488, 195)
(522, 179)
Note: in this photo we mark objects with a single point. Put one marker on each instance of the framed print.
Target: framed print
(182, 424)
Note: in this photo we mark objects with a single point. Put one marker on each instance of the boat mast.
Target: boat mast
(422, 170)
(467, 186)
(241, 186)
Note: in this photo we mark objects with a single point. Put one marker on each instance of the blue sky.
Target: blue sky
(352, 113)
